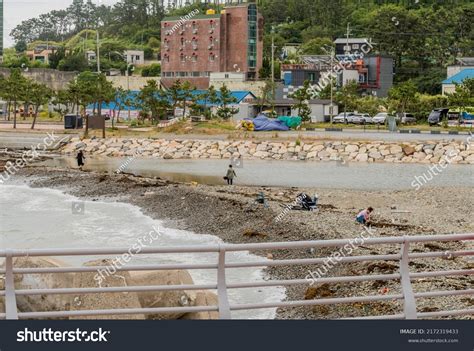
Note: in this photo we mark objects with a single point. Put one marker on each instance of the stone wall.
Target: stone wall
(135, 82)
(54, 79)
(375, 151)
(59, 80)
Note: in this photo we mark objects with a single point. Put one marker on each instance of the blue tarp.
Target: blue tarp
(467, 116)
(263, 123)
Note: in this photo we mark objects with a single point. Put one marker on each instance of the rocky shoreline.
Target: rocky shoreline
(231, 214)
(315, 150)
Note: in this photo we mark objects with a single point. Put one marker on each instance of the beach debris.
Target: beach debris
(318, 291)
(253, 233)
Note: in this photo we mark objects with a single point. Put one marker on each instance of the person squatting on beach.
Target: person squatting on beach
(230, 175)
(80, 159)
(364, 216)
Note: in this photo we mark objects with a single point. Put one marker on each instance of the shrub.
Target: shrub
(154, 70)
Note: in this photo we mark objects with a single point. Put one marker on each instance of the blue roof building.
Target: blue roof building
(242, 98)
(449, 85)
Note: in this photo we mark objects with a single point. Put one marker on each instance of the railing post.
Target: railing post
(10, 295)
(224, 307)
(409, 301)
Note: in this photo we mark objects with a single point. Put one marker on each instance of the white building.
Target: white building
(135, 57)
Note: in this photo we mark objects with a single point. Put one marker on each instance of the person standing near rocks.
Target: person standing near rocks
(80, 159)
(230, 175)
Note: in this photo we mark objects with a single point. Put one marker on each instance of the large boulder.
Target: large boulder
(408, 150)
(102, 301)
(204, 298)
(37, 303)
(157, 299)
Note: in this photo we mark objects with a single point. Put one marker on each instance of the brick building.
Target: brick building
(194, 47)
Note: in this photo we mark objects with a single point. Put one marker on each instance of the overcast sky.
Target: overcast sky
(16, 11)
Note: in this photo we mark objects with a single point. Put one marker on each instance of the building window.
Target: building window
(212, 25)
(212, 57)
(252, 36)
(183, 42)
(194, 43)
(196, 74)
(194, 58)
(195, 28)
(167, 58)
(183, 58)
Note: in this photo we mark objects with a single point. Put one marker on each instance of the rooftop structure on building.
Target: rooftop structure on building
(347, 46)
(198, 44)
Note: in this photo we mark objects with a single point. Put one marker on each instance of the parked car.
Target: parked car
(406, 118)
(361, 118)
(343, 117)
(437, 115)
(380, 118)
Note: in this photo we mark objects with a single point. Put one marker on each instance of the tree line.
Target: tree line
(422, 36)
(25, 97)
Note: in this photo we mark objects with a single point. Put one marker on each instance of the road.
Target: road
(19, 140)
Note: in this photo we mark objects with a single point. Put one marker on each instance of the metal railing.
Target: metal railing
(224, 307)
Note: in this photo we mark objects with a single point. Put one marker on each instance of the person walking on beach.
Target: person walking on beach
(80, 159)
(230, 175)
(364, 216)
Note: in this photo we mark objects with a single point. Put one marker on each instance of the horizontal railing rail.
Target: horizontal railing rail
(222, 286)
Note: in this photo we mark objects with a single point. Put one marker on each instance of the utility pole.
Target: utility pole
(331, 108)
(348, 33)
(128, 88)
(273, 55)
(273, 70)
(98, 52)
